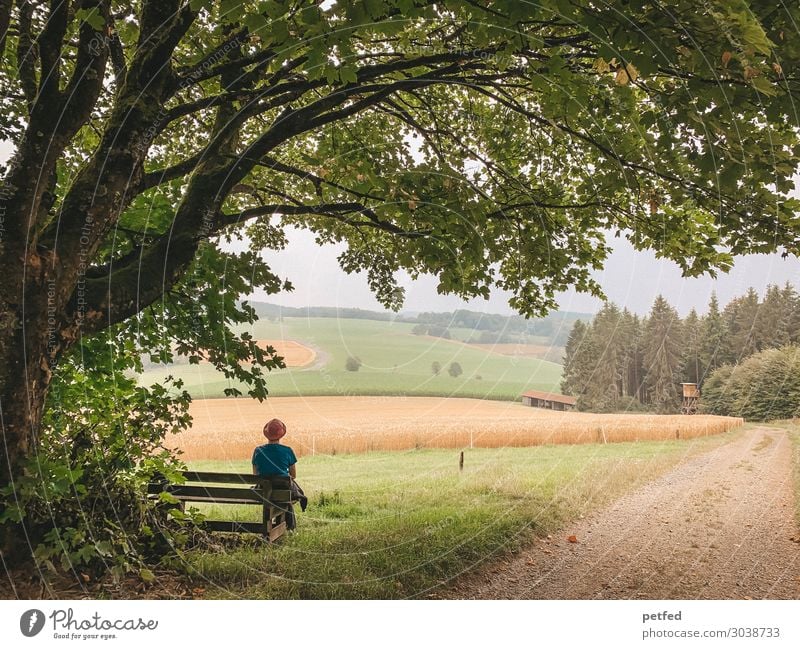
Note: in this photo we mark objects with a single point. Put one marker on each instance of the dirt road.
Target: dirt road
(719, 526)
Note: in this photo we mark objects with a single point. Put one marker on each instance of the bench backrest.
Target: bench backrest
(272, 493)
(203, 486)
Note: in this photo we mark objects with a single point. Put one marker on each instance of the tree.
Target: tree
(791, 301)
(352, 364)
(661, 348)
(454, 369)
(148, 134)
(764, 386)
(436, 367)
(741, 314)
(606, 383)
(774, 318)
(715, 348)
(632, 355)
(691, 357)
(576, 361)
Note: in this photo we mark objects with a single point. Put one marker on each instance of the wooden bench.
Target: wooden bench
(271, 493)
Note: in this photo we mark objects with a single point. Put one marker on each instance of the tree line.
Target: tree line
(620, 361)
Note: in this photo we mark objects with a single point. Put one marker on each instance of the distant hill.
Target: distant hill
(393, 360)
(489, 328)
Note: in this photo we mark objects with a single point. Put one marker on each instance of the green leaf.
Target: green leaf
(92, 17)
(147, 575)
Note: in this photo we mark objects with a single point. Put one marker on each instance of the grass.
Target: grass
(395, 362)
(397, 525)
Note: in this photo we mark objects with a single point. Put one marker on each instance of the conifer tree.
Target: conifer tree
(661, 346)
(715, 348)
(741, 314)
(692, 369)
(577, 369)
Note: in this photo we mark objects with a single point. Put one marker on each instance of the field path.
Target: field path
(719, 526)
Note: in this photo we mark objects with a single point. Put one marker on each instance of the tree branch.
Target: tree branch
(26, 54)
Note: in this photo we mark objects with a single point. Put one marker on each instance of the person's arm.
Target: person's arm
(255, 470)
(293, 471)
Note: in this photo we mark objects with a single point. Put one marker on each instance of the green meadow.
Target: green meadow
(401, 524)
(394, 362)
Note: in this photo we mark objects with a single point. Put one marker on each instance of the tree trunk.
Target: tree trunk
(29, 345)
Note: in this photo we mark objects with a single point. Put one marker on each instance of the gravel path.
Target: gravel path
(719, 526)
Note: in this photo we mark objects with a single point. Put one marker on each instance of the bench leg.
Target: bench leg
(274, 523)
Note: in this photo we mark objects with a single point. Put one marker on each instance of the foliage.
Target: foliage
(454, 369)
(83, 495)
(436, 367)
(765, 386)
(661, 355)
(615, 360)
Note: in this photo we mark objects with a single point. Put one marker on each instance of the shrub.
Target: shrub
(436, 367)
(455, 370)
(765, 386)
(353, 364)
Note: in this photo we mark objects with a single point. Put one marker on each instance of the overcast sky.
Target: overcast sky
(631, 279)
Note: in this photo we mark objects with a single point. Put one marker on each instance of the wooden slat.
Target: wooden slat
(189, 492)
(227, 501)
(227, 478)
(277, 532)
(280, 496)
(218, 501)
(234, 526)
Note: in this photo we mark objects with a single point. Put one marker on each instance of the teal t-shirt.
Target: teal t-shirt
(273, 459)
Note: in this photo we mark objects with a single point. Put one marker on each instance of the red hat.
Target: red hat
(274, 429)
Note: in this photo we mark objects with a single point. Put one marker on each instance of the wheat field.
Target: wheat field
(229, 429)
(294, 354)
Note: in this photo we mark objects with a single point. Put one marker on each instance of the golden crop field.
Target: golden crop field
(229, 429)
(294, 354)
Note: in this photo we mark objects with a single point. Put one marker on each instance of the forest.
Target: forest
(620, 361)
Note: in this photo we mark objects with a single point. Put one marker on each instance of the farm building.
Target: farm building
(549, 400)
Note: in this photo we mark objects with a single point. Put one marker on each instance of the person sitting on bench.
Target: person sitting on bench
(276, 459)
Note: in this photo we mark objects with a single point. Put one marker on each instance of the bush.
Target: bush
(765, 386)
(353, 364)
(455, 370)
(82, 499)
(436, 367)
(439, 332)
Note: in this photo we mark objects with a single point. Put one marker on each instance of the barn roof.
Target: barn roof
(550, 396)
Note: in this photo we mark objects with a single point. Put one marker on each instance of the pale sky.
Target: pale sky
(631, 279)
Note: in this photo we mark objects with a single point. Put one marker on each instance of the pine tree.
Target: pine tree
(741, 314)
(692, 368)
(773, 319)
(630, 331)
(661, 347)
(791, 302)
(578, 360)
(715, 348)
(606, 383)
